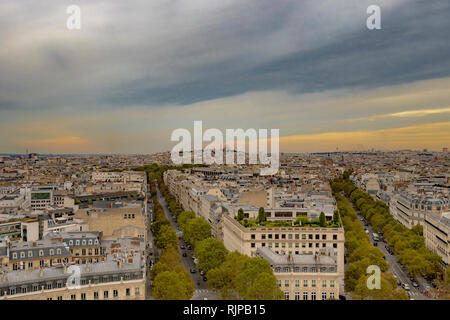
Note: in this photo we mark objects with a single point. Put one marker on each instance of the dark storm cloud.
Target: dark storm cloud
(414, 44)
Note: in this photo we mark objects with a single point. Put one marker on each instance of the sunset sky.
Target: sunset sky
(139, 69)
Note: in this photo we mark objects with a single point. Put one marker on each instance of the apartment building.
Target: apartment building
(85, 247)
(302, 276)
(411, 209)
(115, 219)
(37, 254)
(108, 280)
(436, 231)
(291, 240)
(26, 229)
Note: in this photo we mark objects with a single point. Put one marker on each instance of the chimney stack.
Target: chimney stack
(4, 276)
(119, 263)
(34, 244)
(41, 272)
(65, 267)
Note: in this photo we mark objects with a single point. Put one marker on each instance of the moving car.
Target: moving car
(205, 279)
(406, 286)
(415, 284)
(189, 247)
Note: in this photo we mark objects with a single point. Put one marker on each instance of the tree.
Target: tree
(240, 215)
(167, 237)
(184, 217)
(261, 215)
(264, 287)
(417, 229)
(322, 220)
(196, 229)
(170, 257)
(171, 285)
(223, 278)
(247, 275)
(211, 253)
(158, 268)
(335, 217)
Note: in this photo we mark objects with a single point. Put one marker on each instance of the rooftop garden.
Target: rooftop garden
(262, 221)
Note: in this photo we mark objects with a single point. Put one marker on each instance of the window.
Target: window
(286, 269)
(279, 283)
(290, 236)
(305, 295)
(335, 245)
(95, 295)
(263, 237)
(252, 245)
(331, 295)
(14, 255)
(331, 283)
(71, 243)
(286, 295)
(253, 237)
(48, 286)
(83, 296)
(310, 236)
(30, 254)
(286, 283)
(297, 296)
(317, 236)
(35, 287)
(324, 283)
(313, 283)
(136, 291)
(305, 283)
(334, 236)
(128, 292)
(324, 237)
(313, 296)
(115, 293)
(90, 242)
(58, 251)
(83, 242)
(105, 294)
(73, 297)
(297, 283)
(60, 298)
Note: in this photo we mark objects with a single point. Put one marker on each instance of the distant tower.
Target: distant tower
(444, 150)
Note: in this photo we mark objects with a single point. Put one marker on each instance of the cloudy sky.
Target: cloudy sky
(138, 69)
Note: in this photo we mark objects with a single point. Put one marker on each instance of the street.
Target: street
(201, 288)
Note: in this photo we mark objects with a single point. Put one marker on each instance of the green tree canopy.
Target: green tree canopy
(211, 253)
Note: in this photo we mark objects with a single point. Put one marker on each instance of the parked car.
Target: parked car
(415, 284)
(406, 286)
(193, 270)
(184, 254)
(201, 272)
(205, 279)
(189, 247)
(183, 247)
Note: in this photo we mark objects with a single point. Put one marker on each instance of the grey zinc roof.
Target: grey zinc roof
(44, 245)
(276, 259)
(57, 273)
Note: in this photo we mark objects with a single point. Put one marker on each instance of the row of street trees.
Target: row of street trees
(407, 244)
(361, 254)
(170, 279)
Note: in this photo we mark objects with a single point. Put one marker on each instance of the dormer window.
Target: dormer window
(84, 242)
(14, 255)
(52, 252)
(77, 242)
(90, 242)
(30, 254)
(22, 254)
(58, 251)
(71, 243)
(41, 253)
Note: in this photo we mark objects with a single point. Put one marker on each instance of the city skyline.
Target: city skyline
(128, 78)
